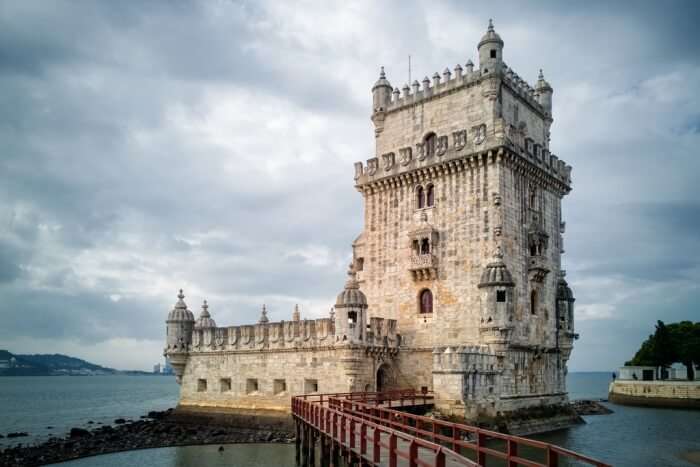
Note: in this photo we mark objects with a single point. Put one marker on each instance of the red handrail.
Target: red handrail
(367, 410)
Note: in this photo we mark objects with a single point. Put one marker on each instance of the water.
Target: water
(632, 436)
(33, 403)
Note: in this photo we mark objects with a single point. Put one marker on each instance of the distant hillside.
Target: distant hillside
(46, 365)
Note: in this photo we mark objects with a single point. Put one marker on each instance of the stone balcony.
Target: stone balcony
(538, 268)
(423, 267)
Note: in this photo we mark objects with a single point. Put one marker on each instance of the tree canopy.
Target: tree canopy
(671, 343)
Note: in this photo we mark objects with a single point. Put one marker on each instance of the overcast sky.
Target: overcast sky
(149, 146)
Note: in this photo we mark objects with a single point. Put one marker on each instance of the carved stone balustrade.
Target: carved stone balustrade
(424, 267)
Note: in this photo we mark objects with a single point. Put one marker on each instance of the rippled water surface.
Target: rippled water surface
(631, 436)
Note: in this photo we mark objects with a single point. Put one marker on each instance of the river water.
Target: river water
(631, 436)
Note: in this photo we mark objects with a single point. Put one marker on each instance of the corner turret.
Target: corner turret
(497, 302)
(179, 326)
(350, 310)
(490, 51)
(544, 93)
(381, 93)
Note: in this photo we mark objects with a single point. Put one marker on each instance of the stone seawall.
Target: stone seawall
(679, 394)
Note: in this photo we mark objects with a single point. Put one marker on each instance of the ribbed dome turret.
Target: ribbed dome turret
(496, 272)
(382, 81)
(564, 292)
(490, 36)
(180, 311)
(205, 320)
(541, 84)
(352, 296)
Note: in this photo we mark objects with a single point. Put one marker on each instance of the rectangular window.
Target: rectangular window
(251, 386)
(201, 385)
(500, 296)
(225, 384)
(280, 386)
(310, 386)
(493, 53)
(360, 264)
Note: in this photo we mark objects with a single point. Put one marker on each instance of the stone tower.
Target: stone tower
(462, 236)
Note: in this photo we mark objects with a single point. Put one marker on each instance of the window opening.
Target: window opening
(426, 301)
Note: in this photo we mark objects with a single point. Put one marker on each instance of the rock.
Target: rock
(78, 433)
(585, 407)
(90, 422)
(119, 421)
(17, 434)
(221, 449)
(49, 427)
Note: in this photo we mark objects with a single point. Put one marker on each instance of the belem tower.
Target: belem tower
(455, 283)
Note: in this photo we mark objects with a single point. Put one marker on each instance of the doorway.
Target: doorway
(383, 378)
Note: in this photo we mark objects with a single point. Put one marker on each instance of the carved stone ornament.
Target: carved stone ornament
(405, 156)
(459, 139)
(196, 341)
(372, 166)
(389, 160)
(219, 337)
(421, 153)
(441, 148)
(479, 134)
(358, 170)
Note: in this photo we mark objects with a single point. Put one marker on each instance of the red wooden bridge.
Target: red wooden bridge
(367, 429)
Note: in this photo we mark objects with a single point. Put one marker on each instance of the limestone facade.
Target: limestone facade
(455, 284)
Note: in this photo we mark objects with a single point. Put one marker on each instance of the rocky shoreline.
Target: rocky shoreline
(155, 430)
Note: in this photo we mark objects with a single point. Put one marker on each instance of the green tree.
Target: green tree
(676, 342)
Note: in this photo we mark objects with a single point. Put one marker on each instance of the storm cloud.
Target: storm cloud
(209, 145)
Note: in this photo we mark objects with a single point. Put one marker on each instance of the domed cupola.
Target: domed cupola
(381, 93)
(496, 273)
(490, 51)
(491, 36)
(350, 306)
(544, 92)
(180, 311)
(205, 321)
(351, 296)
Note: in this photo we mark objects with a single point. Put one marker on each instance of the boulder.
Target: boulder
(78, 433)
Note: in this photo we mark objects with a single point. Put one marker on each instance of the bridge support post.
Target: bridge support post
(335, 455)
(297, 441)
(305, 446)
(325, 452)
(312, 447)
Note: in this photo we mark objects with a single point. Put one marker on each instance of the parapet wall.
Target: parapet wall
(683, 394)
(288, 335)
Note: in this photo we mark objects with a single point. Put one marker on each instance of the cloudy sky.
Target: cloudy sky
(147, 146)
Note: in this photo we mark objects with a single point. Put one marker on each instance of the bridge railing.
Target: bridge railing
(482, 444)
(333, 414)
(371, 441)
(398, 397)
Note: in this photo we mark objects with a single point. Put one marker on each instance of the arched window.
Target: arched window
(424, 247)
(430, 196)
(420, 196)
(426, 301)
(430, 142)
(533, 302)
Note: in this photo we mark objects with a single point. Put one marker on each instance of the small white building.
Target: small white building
(640, 373)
